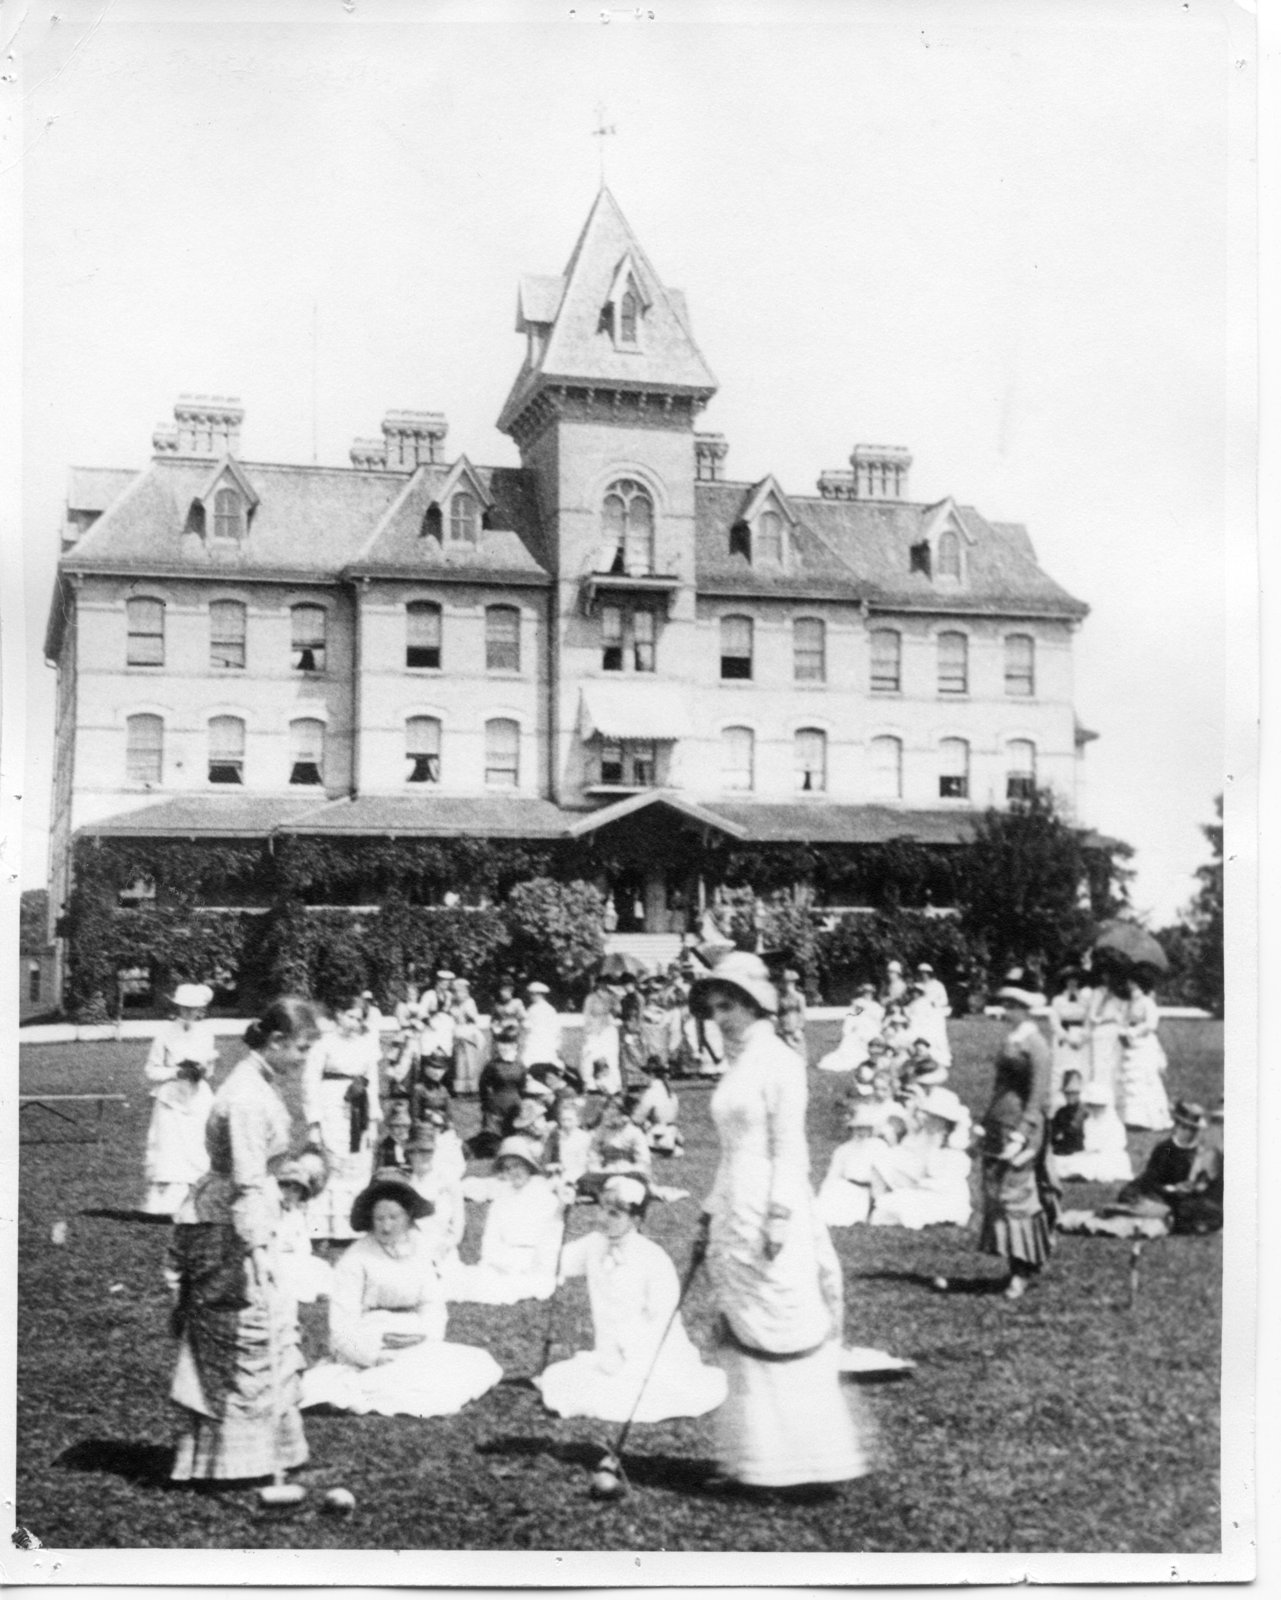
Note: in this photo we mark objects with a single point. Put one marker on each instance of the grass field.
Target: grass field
(1066, 1422)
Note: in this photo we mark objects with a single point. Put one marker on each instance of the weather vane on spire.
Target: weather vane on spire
(602, 132)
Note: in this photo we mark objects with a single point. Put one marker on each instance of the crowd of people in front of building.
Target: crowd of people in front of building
(371, 1214)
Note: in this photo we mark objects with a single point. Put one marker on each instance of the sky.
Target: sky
(1011, 237)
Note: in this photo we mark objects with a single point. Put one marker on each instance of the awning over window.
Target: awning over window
(633, 709)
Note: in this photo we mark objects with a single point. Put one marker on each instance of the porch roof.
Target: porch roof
(703, 815)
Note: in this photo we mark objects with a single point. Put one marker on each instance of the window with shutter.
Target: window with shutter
(422, 634)
(226, 750)
(953, 659)
(502, 639)
(144, 748)
(145, 622)
(227, 628)
(502, 753)
(736, 647)
(809, 650)
(887, 658)
(1020, 664)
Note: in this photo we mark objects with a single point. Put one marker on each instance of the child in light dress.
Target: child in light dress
(522, 1236)
(845, 1195)
(1103, 1157)
(567, 1149)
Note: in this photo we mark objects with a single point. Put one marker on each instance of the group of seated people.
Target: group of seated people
(907, 1020)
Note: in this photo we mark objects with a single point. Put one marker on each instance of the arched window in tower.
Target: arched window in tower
(949, 555)
(627, 528)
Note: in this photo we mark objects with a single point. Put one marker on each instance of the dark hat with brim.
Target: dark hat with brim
(388, 1186)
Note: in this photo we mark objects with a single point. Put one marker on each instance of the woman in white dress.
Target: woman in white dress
(786, 1421)
(1104, 1157)
(469, 1039)
(1107, 1016)
(634, 1293)
(1069, 1012)
(340, 1107)
(540, 1039)
(598, 1054)
(522, 1236)
(387, 1320)
(179, 1064)
(845, 1195)
(1142, 1101)
(860, 1025)
(437, 1181)
(926, 1179)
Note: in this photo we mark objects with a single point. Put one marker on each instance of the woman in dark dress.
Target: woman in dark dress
(1015, 1225)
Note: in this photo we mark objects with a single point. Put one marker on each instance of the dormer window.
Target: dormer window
(769, 538)
(949, 555)
(464, 518)
(229, 514)
(623, 314)
(740, 541)
(628, 314)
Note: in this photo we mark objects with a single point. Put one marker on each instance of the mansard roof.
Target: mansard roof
(578, 349)
(510, 548)
(309, 522)
(862, 549)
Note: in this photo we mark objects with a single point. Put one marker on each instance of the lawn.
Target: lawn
(1066, 1422)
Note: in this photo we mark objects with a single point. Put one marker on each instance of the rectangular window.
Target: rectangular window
(736, 647)
(422, 750)
(738, 758)
(144, 749)
(611, 632)
(226, 635)
(810, 761)
(308, 624)
(887, 657)
(887, 768)
(954, 669)
(502, 753)
(226, 750)
(422, 642)
(1020, 782)
(502, 639)
(954, 770)
(1020, 673)
(809, 650)
(611, 763)
(643, 641)
(146, 624)
(307, 742)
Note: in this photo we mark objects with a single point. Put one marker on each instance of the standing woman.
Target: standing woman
(179, 1064)
(340, 1107)
(1069, 1011)
(1143, 1100)
(1103, 1024)
(1015, 1226)
(776, 1278)
(469, 1039)
(791, 1014)
(238, 1354)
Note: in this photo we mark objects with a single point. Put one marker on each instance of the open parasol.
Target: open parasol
(1132, 943)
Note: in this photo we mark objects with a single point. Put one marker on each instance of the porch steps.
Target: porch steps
(656, 950)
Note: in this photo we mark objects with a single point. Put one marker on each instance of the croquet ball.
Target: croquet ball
(606, 1485)
(58, 1233)
(340, 1502)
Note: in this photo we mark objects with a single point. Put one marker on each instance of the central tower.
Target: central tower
(603, 413)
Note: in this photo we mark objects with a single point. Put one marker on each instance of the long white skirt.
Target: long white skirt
(842, 1204)
(681, 1386)
(432, 1379)
(1142, 1101)
(789, 1422)
(489, 1287)
(921, 1208)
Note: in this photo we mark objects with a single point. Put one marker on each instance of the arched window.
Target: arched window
(502, 753)
(422, 634)
(887, 768)
(949, 555)
(736, 647)
(738, 758)
(627, 526)
(308, 627)
(145, 621)
(809, 650)
(464, 518)
(229, 514)
(628, 314)
(144, 748)
(1020, 664)
(769, 538)
(226, 634)
(887, 661)
(954, 770)
(307, 751)
(1020, 766)
(422, 750)
(502, 639)
(954, 663)
(810, 760)
(226, 750)
(433, 524)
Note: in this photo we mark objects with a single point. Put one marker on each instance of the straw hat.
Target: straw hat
(740, 970)
(537, 988)
(514, 1148)
(307, 1172)
(444, 975)
(388, 1185)
(192, 996)
(1190, 1113)
(944, 1104)
(628, 1189)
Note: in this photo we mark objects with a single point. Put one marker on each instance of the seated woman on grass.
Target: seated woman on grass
(634, 1292)
(926, 1179)
(845, 1196)
(1102, 1156)
(617, 1146)
(522, 1236)
(654, 1110)
(387, 1319)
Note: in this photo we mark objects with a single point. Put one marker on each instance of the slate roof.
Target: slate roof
(511, 550)
(861, 549)
(578, 350)
(310, 521)
(448, 816)
(94, 488)
(207, 815)
(826, 822)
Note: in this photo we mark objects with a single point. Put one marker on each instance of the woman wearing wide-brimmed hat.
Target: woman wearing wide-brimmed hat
(387, 1318)
(926, 1179)
(777, 1281)
(179, 1065)
(1015, 1224)
(522, 1236)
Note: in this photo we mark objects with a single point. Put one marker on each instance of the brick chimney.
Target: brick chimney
(204, 425)
(880, 473)
(710, 450)
(371, 454)
(413, 439)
